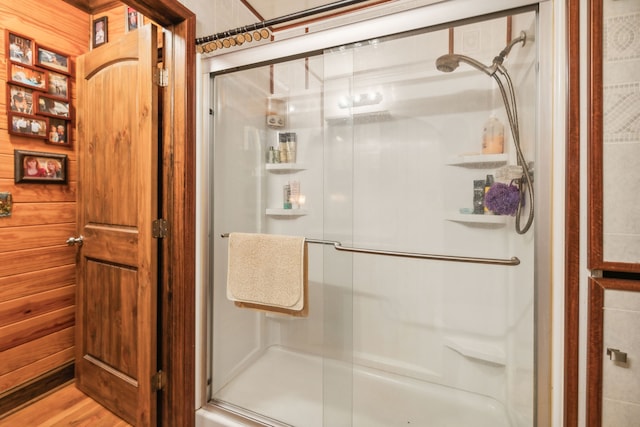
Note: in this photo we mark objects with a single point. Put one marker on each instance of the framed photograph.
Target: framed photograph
(58, 85)
(20, 99)
(58, 132)
(48, 106)
(48, 58)
(40, 167)
(29, 77)
(20, 48)
(32, 127)
(133, 19)
(99, 31)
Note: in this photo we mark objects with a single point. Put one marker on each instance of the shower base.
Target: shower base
(287, 386)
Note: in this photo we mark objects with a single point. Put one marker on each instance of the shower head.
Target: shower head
(448, 63)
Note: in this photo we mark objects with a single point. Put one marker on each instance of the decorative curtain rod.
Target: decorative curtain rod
(260, 31)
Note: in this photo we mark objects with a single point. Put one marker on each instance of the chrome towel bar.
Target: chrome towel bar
(338, 246)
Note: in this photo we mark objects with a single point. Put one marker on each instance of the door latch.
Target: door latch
(75, 241)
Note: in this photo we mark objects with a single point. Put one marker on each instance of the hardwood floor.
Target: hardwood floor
(65, 407)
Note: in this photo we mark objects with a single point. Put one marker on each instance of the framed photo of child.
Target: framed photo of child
(100, 31)
(39, 167)
(58, 132)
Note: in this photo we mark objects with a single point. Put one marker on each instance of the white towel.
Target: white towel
(268, 272)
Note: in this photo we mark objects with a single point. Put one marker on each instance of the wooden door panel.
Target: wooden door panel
(117, 203)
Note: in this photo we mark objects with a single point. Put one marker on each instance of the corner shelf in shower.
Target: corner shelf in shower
(478, 218)
(286, 212)
(479, 160)
(284, 167)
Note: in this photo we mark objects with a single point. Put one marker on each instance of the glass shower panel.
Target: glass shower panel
(388, 150)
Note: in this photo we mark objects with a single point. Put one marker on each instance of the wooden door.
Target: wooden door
(116, 321)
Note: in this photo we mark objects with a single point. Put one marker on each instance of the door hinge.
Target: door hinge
(158, 381)
(162, 77)
(159, 228)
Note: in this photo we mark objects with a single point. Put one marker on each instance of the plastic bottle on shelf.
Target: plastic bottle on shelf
(493, 136)
(487, 185)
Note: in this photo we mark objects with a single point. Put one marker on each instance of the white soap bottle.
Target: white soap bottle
(493, 136)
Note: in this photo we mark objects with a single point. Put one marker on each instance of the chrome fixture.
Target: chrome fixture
(448, 63)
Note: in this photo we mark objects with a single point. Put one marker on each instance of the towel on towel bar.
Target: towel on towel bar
(268, 272)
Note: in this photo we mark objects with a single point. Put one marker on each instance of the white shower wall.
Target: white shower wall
(385, 181)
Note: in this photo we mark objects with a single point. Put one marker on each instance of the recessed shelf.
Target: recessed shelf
(479, 160)
(286, 212)
(478, 218)
(284, 167)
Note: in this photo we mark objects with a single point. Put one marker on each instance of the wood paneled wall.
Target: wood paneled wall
(37, 268)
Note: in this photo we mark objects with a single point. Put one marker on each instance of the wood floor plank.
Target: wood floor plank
(63, 408)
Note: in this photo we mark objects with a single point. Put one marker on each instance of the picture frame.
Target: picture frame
(39, 167)
(20, 48)
(133, 19)
(28, 126)
(27, 76)
(52, 60)
(58, 85)
(48, 106)
(20, 99)
(100, 31)
(59, 132)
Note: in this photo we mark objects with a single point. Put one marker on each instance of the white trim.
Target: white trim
(407, 20)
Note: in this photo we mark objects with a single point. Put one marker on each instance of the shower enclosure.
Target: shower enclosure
(421, 312)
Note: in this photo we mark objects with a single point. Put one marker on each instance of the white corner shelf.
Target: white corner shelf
(284, 167)
(478, 350)
(286, 212)
(477, 218)
(479, 160)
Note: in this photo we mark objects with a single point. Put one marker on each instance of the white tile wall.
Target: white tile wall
(621, 382)
(621, 130)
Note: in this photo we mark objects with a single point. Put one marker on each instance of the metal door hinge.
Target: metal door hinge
(158, 381)
(159, 228)
(162, 77)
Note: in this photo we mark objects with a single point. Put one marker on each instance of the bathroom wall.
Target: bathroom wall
(621, 132)
(621, 381)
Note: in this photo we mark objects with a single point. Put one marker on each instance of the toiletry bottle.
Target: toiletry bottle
(493, 136)
(487, 185)
(478, 196)
(282, 147)
(286, 196)
(291, 146)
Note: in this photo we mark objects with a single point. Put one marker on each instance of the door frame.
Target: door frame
(177, 291)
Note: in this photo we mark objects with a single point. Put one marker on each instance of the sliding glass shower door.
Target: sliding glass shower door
(421, 300)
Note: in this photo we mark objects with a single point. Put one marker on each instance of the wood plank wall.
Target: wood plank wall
(37, 268)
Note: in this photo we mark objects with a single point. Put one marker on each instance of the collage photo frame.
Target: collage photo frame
(38, 90)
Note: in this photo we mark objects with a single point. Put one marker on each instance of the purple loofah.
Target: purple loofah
(502, 199)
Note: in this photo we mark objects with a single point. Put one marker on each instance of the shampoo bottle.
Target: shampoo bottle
(493, 136)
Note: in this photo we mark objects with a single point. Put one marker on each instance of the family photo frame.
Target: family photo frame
(26, 76)
(100, 31)
(52, 60)
(39, 167)
(48, 106)
(38, 87)
(20, 99)
(28, 126)
(133, 19)
(20, 48)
